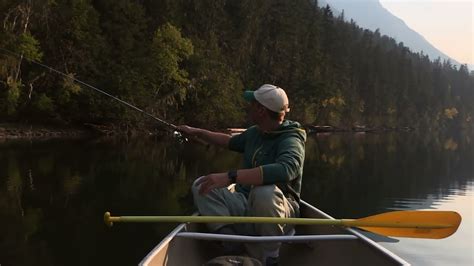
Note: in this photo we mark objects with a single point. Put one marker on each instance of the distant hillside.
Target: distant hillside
(372, 15)
(189, 62)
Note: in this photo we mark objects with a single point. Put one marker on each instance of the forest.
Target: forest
(189, 62)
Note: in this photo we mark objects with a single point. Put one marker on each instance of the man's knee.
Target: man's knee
(265, 197)
(263, 192)
(195, 187)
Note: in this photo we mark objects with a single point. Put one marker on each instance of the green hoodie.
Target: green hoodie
(279, 153)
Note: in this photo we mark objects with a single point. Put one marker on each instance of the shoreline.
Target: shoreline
(22, 131)
(38, 131)
(31, 131)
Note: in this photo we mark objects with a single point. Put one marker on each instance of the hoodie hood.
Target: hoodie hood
(288, 127)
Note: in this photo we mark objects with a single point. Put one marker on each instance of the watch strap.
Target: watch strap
(232, 175)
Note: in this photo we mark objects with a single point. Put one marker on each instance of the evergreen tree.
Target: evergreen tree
(189, 61)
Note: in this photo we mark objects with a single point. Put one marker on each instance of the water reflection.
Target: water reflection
(366, 174)
(54, 193)
(454, 250)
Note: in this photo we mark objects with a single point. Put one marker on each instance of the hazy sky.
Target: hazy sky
(446, 24)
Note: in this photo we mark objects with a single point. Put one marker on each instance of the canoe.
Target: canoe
(189, 244)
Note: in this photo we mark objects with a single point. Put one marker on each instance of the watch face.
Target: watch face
(232, 175)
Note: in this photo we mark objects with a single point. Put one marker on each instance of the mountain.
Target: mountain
(372, 15)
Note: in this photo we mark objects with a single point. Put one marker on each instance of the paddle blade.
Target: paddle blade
(416, 224)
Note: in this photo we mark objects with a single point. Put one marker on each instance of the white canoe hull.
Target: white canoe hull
(349, 247)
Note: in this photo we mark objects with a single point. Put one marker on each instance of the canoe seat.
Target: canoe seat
(256, 239)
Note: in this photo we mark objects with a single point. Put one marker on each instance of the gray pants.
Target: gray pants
(265, 201)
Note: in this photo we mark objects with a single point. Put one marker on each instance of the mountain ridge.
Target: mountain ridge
(371, 14)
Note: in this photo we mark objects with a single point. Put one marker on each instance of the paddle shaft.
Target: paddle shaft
(239, 219)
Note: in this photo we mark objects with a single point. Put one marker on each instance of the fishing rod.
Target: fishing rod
(176, 132)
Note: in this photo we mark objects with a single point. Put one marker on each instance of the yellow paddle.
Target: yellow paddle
(416, 224)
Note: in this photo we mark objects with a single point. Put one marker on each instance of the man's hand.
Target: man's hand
(215, 138)
(212, 181)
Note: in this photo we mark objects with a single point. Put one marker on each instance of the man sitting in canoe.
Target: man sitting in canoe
(269, 183)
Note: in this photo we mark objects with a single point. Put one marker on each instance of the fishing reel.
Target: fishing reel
(183, 139)
(180, 137)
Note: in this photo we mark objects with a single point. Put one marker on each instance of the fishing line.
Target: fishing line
(176, 133)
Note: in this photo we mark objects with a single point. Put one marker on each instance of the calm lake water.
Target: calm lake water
(53, 194)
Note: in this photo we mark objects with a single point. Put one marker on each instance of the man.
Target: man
(269, 183)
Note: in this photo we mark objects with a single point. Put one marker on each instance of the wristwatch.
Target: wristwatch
(232, 175)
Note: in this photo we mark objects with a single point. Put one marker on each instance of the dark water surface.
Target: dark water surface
(53, 194)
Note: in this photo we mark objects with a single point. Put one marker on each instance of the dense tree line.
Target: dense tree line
(189, 61)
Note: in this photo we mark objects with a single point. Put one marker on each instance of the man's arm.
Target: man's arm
(251, 176)
(286, 167)
(216, 138)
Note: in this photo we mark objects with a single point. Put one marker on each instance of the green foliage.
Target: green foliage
(44, 104)
(189, 61)
(216, 97)
(28, 46)
(168, 80)
(69, 88)
(22, 42)
(12, 95)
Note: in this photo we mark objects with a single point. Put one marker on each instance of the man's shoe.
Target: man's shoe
(271, 261)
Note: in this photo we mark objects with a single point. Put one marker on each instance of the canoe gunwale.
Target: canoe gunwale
(164, 243)
(258, 239)
(367, 240)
